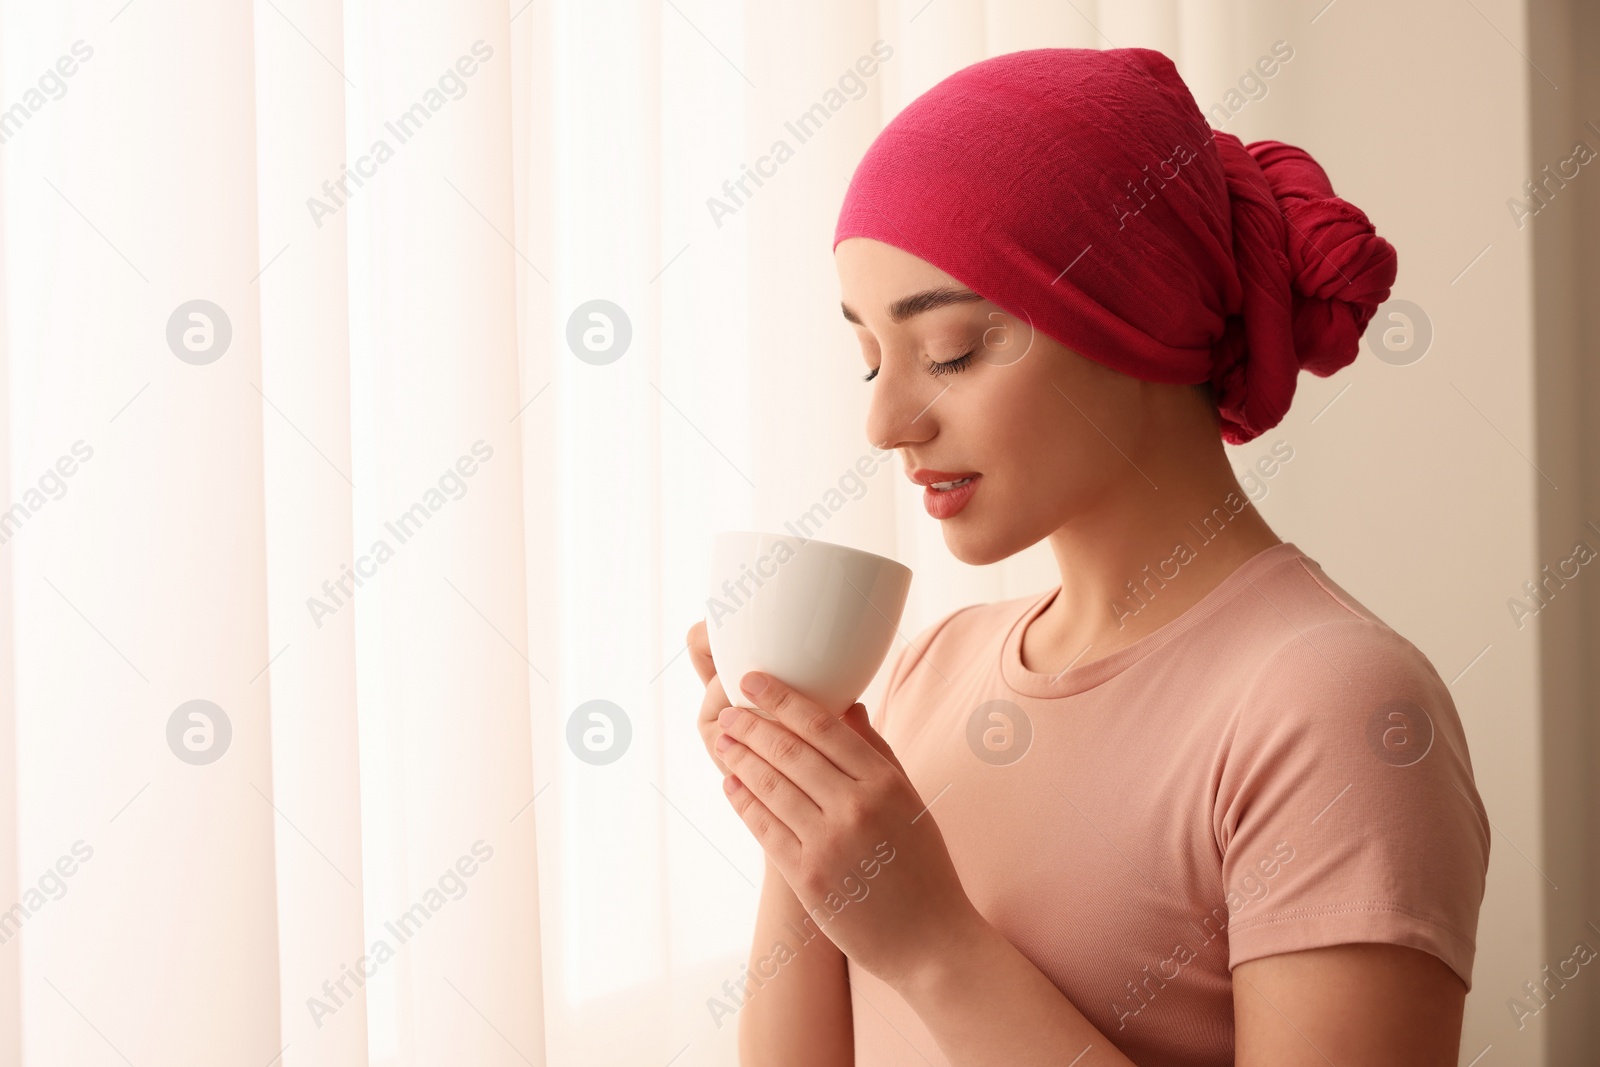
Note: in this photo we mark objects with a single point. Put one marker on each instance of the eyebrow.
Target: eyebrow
(917, 303)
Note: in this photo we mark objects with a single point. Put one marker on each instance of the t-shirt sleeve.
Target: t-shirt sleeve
(1346, 808)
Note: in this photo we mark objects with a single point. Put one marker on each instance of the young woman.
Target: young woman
(1196, 805)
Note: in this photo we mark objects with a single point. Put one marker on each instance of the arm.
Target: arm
(801, 1016)
(986, 1003)
(1379, 1005)
(1374, 1004)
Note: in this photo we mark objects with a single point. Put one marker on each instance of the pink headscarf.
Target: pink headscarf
(1082, 190)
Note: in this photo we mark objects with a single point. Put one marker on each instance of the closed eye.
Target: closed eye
(949, 366)
(952, 366)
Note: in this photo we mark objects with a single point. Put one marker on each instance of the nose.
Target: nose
(900, 415)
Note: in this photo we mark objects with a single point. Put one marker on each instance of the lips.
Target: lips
(945, 499)
(940, 480)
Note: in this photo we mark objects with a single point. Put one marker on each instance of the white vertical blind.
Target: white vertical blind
(143, 586)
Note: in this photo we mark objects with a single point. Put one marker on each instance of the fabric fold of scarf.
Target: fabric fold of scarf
(1082, 191)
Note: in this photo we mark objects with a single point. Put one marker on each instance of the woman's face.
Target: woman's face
(962, 387)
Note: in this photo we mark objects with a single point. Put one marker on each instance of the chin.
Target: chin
(976, 547)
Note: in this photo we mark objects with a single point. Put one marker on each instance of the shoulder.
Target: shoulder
(940, 647)
(1312, 638)
(1331, 697)
(1344, 692)
(1346, 752)
(959, 633)
(1347, 654)
(1349, 712)
(1321, 651)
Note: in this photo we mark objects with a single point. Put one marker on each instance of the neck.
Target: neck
(1165, 539)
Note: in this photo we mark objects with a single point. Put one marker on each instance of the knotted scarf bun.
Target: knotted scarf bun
(1292, 236)
(1083, 191)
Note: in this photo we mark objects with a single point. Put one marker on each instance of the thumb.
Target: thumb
(856, 718)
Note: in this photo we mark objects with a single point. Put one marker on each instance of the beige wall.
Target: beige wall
(1566, 280)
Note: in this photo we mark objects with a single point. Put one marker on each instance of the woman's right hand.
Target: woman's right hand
(716, 697)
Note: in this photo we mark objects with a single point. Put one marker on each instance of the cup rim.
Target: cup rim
(815, 540)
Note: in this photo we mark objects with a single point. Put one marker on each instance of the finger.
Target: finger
(815, 775)
(706, 721)
(771, 786)
(700, 652)
(817, 727)
(857, 719)
(715, 699)
(776, 839)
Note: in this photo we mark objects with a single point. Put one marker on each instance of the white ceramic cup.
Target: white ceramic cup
(818, 616)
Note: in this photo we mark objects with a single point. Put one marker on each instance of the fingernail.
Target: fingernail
(724, 742)
(753, 683)
(729, 716)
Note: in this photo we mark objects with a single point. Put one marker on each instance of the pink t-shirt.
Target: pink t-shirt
(1274, 770)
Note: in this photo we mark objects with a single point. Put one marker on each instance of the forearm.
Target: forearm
(985, 1003)
(800, 1016)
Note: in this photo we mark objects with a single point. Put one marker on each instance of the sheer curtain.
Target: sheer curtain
(374, 376)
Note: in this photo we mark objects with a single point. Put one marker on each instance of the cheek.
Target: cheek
(1087, 412)
(1041, 433)
(1018, 437)
(1026, 419)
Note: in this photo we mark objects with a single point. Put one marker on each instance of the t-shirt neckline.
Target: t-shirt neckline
(1078, 679)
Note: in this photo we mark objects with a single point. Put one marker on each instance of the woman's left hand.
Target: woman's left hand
(833, 808)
